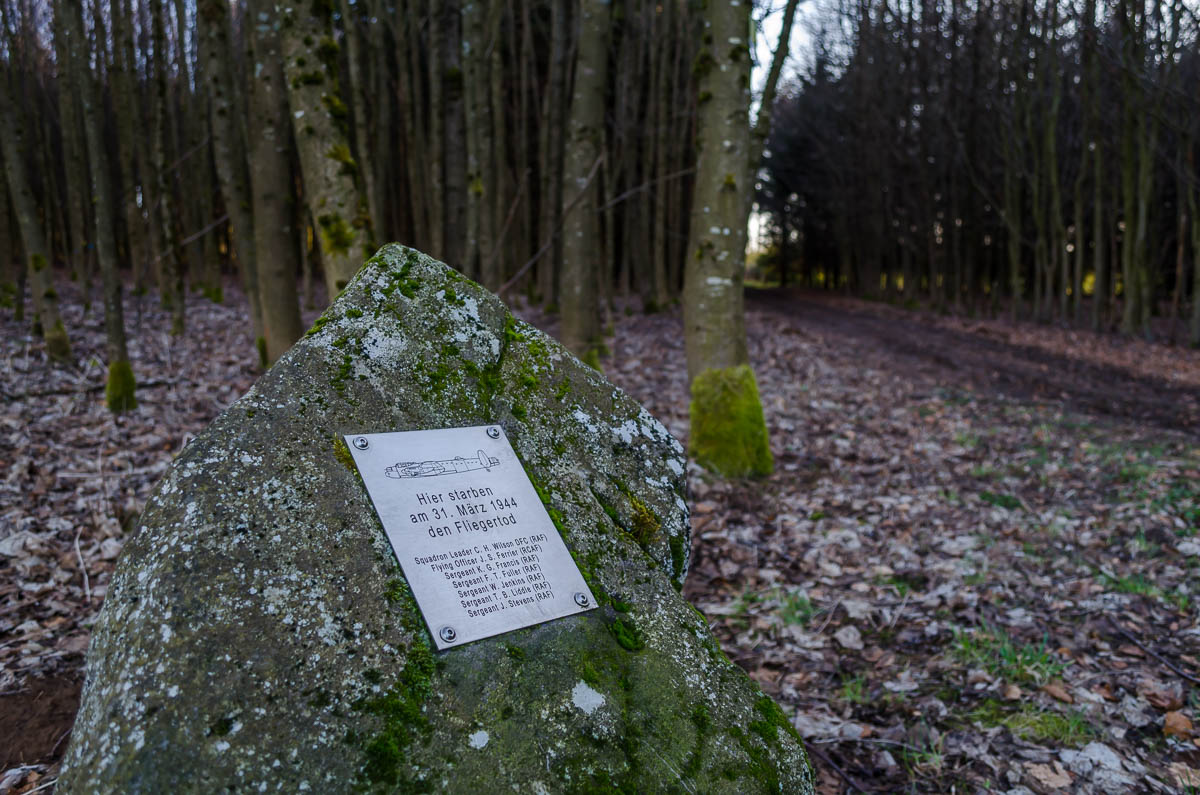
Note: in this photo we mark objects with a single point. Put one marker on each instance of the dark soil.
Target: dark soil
(35, 722)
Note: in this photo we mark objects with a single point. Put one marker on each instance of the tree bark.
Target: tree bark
(320, 125)
(229, 145)
(14, 143)
(728, 430)
(582, 245)
(552, 135)
(78, 235)
(448, 75)
(119, 391)
(170, 257)
(271, 185)
(362, 106)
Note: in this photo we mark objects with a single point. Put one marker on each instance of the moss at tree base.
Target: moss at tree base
(58, 346)
(118, 392)
(728, 432)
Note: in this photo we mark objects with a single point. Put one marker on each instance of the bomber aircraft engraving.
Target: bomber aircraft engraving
(429, 469)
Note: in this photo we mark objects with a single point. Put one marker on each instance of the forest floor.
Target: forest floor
(976, 568)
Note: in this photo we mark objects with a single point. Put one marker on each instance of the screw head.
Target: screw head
(361, 443)
(582, 600)
(493, 432)
(447, 634)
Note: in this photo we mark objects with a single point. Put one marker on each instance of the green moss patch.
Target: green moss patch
(729, 433)
(1032, 723)
(58, 345)
(403, 719)
(336, 233)
(119, 391)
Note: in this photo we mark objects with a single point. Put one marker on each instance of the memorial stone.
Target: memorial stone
(260, 635)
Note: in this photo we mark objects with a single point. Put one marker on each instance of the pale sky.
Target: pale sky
(799, 54)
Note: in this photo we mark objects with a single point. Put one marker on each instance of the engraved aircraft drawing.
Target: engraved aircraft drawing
(429, 469)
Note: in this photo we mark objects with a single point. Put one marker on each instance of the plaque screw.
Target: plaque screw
(447, 634)
(493, 432)
(361, 443)
(582, 600)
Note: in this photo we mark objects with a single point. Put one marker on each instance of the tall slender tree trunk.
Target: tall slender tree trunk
(125, 107)
(552, 134)
(583, 248)
(320, 123)
(1100, 288)
(229, 146)
(728, 431)
(14, 143)
(448, 28)
(491, 272)
(481, 37)
(660, 130)
(75, 158)
(167, 212)
(271, 184)
(119, 391)
(363, 104)
(1193, 199)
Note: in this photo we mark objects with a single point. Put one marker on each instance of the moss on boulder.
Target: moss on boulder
(258, 633)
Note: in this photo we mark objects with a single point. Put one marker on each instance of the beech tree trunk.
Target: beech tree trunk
(271, 186)
(169, 259)
(582, 244)
(728, 431)
(551, 136)
(119, 391)
(229, 146)
(78, 230)
(448, 26)
(14, 142)
(320, 124)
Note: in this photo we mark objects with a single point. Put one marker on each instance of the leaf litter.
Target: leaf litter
(956, 580)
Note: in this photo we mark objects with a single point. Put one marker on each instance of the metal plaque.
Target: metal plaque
(474, 540)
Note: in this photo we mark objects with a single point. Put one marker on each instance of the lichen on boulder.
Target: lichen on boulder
(258, 634)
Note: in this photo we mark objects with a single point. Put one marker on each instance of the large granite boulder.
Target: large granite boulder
(258, 634)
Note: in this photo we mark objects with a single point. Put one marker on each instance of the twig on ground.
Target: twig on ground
(829, 617)
(845, 776)
(865, 741)
(1153, 653)
(87, 586)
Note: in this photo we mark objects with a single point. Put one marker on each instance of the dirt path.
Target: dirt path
(985, 361)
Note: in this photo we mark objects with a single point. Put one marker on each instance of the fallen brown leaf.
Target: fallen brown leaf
(1176, 724)
(1056, 690)
(1165, 700)
(1053, 777)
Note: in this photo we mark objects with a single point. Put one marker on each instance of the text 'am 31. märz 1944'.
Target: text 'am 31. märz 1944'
(472, 536)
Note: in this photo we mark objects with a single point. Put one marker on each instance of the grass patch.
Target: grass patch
(1034, 724)
(1182, 501)
(1138, 585)
(797, 609)
(991, 649)
(854, 690)
(1000, 500)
